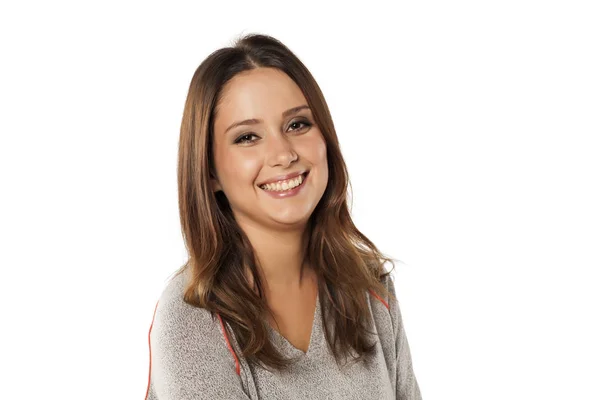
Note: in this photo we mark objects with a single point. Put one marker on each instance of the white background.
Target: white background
(470, 130)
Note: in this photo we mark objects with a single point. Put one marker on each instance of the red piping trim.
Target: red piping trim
(380, 299)
(237, 364)
(150, 352)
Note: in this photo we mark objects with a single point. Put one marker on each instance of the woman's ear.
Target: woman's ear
(214, 184)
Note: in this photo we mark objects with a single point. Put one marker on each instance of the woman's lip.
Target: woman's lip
(283, 177)
(287, 193)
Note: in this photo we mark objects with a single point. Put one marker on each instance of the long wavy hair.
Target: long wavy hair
(346, 262)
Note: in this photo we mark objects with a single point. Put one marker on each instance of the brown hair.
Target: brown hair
(346, 262)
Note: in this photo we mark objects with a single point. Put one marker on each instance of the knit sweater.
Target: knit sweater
(191, 358)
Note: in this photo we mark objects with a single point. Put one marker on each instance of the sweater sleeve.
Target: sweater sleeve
(190, 357)
(407, 387)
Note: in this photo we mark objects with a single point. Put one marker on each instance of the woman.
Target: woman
(282, 296)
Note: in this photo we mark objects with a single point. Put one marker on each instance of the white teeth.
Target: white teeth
(283, 185)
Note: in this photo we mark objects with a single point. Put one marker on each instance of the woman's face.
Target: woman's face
(281, 139)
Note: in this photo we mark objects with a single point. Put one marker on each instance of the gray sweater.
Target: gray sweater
(192, 359)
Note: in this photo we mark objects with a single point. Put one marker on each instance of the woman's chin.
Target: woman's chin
(291, 219)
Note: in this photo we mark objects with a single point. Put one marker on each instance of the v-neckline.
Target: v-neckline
(311, 343)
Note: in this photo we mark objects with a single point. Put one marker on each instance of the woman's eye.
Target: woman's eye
(244, 138)
(296, 126)
(305, 124)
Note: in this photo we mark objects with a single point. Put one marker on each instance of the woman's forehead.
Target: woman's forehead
(260, 93)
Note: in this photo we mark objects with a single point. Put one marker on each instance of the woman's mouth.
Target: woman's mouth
(286, 188)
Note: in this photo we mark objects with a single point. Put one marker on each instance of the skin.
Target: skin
(276, 146)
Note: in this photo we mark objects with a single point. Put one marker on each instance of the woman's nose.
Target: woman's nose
(280, 150)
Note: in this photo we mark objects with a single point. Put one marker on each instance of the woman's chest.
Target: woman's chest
(294, 317)
(317, 376)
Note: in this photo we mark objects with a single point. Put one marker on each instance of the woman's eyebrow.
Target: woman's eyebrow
(254, 121)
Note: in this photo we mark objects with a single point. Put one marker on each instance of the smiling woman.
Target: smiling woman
(282, 297)
(285, 145)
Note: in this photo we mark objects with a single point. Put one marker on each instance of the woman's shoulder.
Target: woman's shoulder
(384, 298)
(178, 322)
(173, 290)
(385, 306)
(189, 351)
